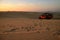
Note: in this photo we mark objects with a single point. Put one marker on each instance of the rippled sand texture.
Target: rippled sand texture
(29, 29)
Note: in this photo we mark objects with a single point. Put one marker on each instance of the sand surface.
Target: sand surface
(29, 29)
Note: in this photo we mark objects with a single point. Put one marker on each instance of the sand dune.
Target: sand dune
(29, 29)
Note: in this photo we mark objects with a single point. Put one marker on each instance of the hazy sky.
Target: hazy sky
(29, 5)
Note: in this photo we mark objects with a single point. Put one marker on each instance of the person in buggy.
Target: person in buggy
(46, 16)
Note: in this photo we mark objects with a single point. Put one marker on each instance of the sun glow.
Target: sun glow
(29, 5)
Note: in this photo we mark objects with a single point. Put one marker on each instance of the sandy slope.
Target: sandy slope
(29, 29)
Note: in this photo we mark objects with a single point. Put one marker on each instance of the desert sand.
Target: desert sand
(29, 29)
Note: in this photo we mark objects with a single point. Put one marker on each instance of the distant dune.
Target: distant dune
(31, 15)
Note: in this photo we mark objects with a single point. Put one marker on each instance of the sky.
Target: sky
(30, 5)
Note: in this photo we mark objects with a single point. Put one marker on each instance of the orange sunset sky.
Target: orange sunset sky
(29, 5)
